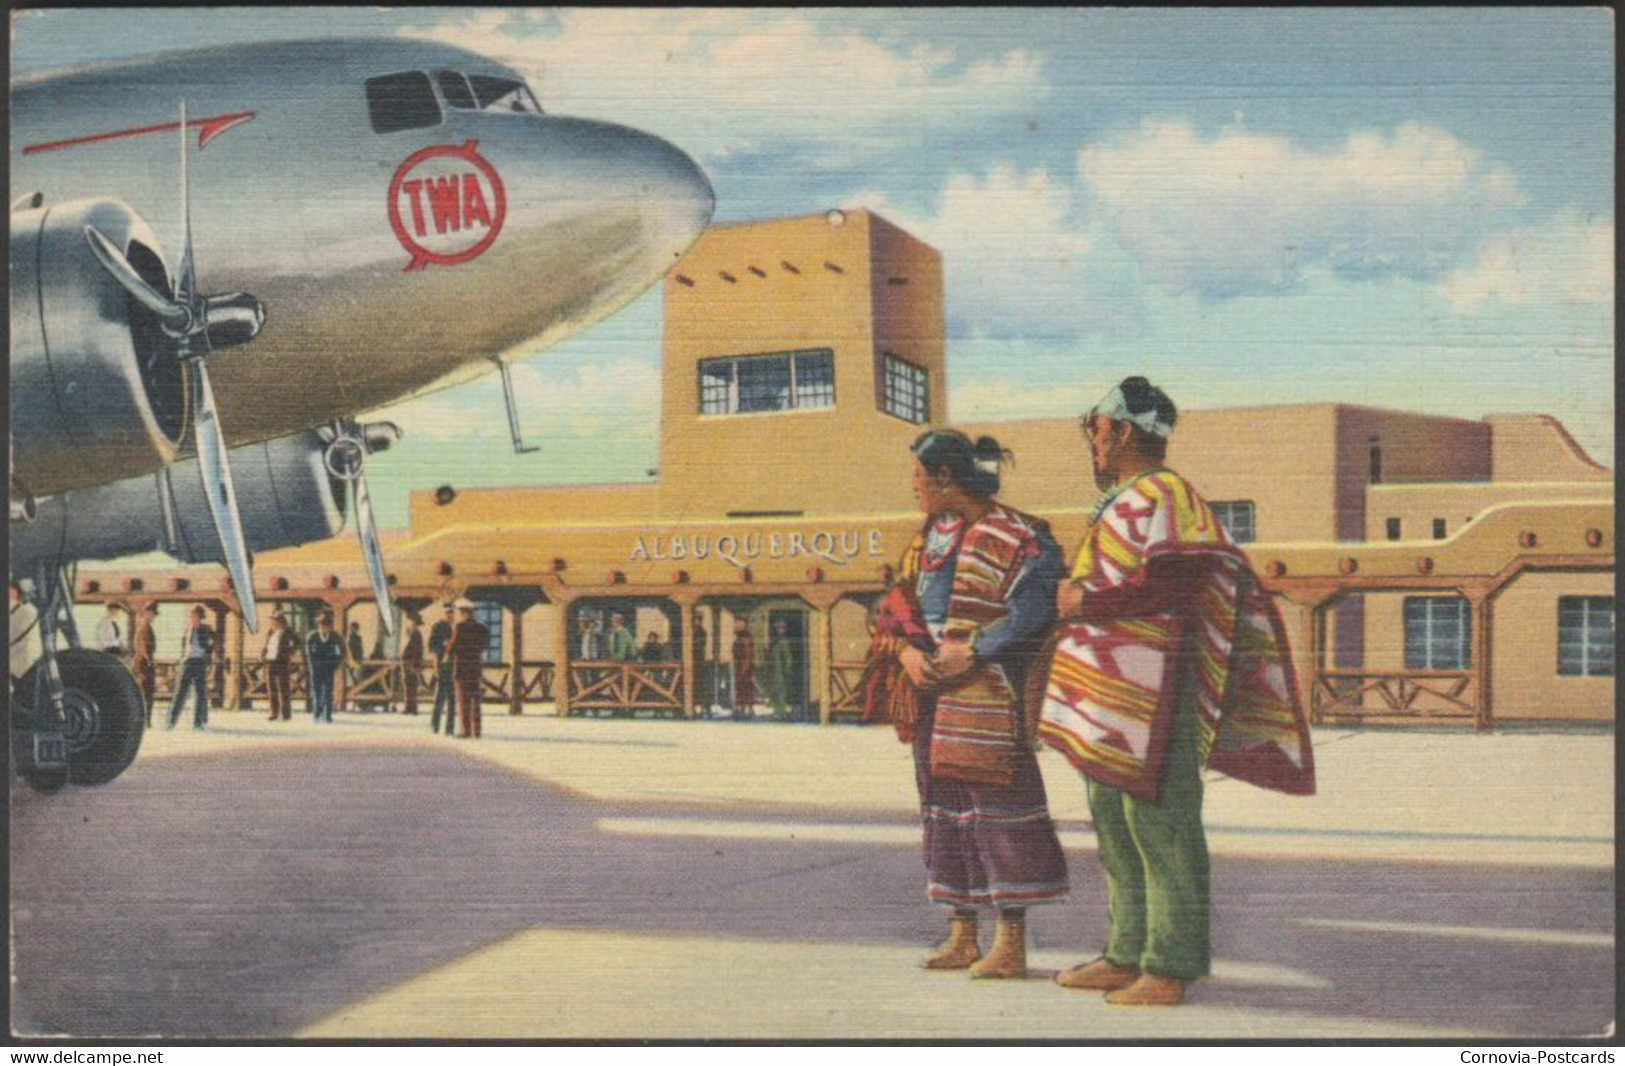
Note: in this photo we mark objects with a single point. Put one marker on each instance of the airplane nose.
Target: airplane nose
(678, 194)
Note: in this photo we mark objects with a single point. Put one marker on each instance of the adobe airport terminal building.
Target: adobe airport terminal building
(1430, 569)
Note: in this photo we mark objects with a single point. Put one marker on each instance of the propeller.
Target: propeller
(199, 325)
(348, 445)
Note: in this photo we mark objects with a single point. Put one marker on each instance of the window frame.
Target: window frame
(429, 84)
(1222, 509)
(489, 615)
(1461, 642)
(795, 400)
(887, 394)
(1567, 639)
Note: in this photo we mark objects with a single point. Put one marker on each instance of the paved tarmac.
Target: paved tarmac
(367, 880)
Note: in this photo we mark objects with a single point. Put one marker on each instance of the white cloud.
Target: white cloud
(733, 80)
(1240, 213)
(1568, 262)
(1015, 256)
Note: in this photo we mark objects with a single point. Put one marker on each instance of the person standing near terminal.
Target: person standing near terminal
(744, 656)
(197, 652)
(781, 671)
(144, 661)
(1168, 658)
(589, 647)
(467, 652)
(445, 691)
(411, 661)
(324, 654)
(356, 653)
(110, 633)
(278, 660)
(623, 648)
(701, 680)
(955, 639)
(653, 650)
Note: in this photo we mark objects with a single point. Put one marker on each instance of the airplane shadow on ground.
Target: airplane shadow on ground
(252, 894)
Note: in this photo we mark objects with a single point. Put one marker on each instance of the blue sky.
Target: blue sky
(1403, 208)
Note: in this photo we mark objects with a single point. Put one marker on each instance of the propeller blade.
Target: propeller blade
(221, 494)
(186, 281)
(113, 260)
(367, 528)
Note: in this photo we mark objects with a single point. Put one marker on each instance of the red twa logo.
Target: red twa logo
(453, 205)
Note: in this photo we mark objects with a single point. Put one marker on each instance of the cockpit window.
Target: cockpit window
(454, 87)
(403, 101)
(503, 94)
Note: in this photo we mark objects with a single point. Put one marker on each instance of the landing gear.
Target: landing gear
(103, 713)
(78, 715)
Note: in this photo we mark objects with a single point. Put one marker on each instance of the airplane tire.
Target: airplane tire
(105, 713)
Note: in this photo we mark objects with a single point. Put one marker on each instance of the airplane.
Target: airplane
(350, 223)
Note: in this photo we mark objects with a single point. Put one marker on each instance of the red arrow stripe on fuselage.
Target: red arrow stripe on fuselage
(208, 129)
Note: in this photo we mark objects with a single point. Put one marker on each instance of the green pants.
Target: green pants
(1157, 865)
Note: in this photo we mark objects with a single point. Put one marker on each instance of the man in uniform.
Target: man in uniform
(467, 654)
(1168, 658)
(324, 654)
(197, 652)
(412, 660)
(445, 693)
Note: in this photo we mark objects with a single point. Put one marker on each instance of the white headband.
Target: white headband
(1115, 407)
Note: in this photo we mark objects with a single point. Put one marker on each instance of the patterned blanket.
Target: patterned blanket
(978, 725)
(1115, 671)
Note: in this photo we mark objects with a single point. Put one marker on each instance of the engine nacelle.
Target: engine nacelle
(97, 391)
(284, 492)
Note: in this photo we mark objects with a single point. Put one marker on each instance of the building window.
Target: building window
(908, 391)
(1376, 463)
(1239, 519)
(1585, 636)
(781, 381)
(1438, 529)
(489, 615)
(1438, 633)
(1393, 529)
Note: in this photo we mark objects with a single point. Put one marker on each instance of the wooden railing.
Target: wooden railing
(1408, 694)
(256, 685)
(167, 674)
(382, 682)
(626, 687)
(846, 689)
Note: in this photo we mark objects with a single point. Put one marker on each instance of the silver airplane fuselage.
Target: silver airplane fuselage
(389, 263)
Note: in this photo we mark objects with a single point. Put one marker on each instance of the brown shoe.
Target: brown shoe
(1008, 956)
(1149, 991)
(961, 948)
(1101, 975)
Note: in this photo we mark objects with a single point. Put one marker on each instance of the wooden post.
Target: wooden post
(561, 656)
(824, 637)
(686, 627)
(341, 625)
(237, 655)
(516, 670)
(225, 663)
(1483, 619)
(1309, 656)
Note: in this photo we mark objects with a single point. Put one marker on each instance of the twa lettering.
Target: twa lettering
(446, 205)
